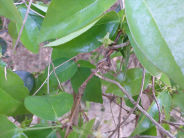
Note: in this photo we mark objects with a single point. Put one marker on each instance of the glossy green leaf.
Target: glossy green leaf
(49, 107)
(9, 129)
(66, 17)
(157, 29)
(92, 91)
(83, 132)
(12, 93)
(144, 123)
(72, 35)
(8, 9)
(64, 73)
(142, 59)
(178, 100)
(82, 44)
(31, 29)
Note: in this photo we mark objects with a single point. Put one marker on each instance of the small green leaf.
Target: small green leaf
(88, 41)
(133, 81)
(49, 107)
(144, 124)
(92, 91)
(83, 132)
(106, 41)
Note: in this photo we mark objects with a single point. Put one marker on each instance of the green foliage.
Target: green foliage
(154, 29)
(153, 34)
(93, 90)
(49, 107)
(73, 16)
(109, 23)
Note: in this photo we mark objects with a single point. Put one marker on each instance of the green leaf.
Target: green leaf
(49, 107)
(82, 132)
(64, 73)
(82, 44)
(9, 129)
(31, 29)
(12, 93)
(72, 35)
(133, 81)
(157, 29)
(8, 9)
(72, 16)
(178, 100)
(144, 124)
(92, 91)
(142, 59)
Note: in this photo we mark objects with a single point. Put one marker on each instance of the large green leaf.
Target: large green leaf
(8, 9)
(89, 40)
(144, 124)
(12, 93)
(66, 17)
(31, 30)
(157, 29)
(9, 129)
(49, 107)
(142, 59)
(92, 91)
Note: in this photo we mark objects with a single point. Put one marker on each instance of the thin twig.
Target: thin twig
(173, 123)
(51, 73)
(48, 76)
(135, 105)
(120, 45)
(156, 101)
(59, 83)
(23, 23)
(112, 114)
(138, 106)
